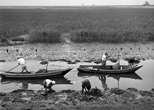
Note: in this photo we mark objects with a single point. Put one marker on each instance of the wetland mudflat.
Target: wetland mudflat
(141, 83)
(77, 51)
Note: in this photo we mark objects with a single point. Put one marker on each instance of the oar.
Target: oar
(47, 66)
(2, 71)
(112, 53)
(119, 58)
(10, 69)
(13, 68)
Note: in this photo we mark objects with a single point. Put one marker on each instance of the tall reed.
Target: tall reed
(111, 37)
(44, 36)
(85, 24)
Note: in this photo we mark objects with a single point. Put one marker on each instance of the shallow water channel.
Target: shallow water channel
(142, 80)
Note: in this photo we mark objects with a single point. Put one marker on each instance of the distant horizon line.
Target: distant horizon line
(68, 5)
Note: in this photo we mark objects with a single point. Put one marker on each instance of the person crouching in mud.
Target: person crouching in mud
(48, 85)
(86, 86)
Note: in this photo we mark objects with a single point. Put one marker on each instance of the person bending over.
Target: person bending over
(86, 86)
(48, 85)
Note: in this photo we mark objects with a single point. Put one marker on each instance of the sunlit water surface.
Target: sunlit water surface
(142, 80)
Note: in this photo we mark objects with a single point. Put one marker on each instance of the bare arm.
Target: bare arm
(18, 62)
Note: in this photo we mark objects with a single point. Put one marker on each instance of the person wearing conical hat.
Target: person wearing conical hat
(21, 61)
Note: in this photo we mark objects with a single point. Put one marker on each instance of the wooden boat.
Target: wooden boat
(109, 69)
(115, 76)
(38, 74)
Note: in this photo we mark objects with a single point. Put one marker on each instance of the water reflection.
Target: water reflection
(129, 75)
(24, 86)
(103, 77)
(25, 83)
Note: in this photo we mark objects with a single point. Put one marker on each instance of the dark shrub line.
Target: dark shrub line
(111, 37)
(80, 36)
(44, 36)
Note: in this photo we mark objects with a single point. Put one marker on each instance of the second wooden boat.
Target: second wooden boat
(109, 69)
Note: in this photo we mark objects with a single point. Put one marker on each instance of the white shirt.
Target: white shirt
(48, 81)
(21, 61)
(104, 57)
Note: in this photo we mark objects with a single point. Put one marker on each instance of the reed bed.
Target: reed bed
(43, 36)
(85, 24)
(111, 37)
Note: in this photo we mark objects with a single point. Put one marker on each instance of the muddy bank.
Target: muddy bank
(109, 99)
(74, 52)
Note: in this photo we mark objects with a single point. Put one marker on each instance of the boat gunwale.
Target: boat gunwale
(101, 71)
(62, 72)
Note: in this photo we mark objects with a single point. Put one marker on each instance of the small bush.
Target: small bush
(3, 40)
(18, 39)
(43, 36)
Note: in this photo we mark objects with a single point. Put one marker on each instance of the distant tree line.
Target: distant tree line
(146, 3)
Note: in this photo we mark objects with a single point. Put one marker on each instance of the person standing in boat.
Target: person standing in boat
(105, 57)
(47, 83)
(21, 61)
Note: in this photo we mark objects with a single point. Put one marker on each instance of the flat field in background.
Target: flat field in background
(84, 24)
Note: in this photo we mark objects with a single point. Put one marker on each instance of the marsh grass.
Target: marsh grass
(85, 24)
(18, 39)
(44, 36)
(111, 37)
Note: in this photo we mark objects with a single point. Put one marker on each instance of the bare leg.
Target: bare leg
(22, 71)
(26, 69)
(23, 68)
(82, 89)
(103, 64)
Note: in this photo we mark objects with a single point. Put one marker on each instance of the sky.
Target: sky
(71, 2)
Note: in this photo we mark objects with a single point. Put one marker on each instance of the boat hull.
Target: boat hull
(108, 70)
(31, 75)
